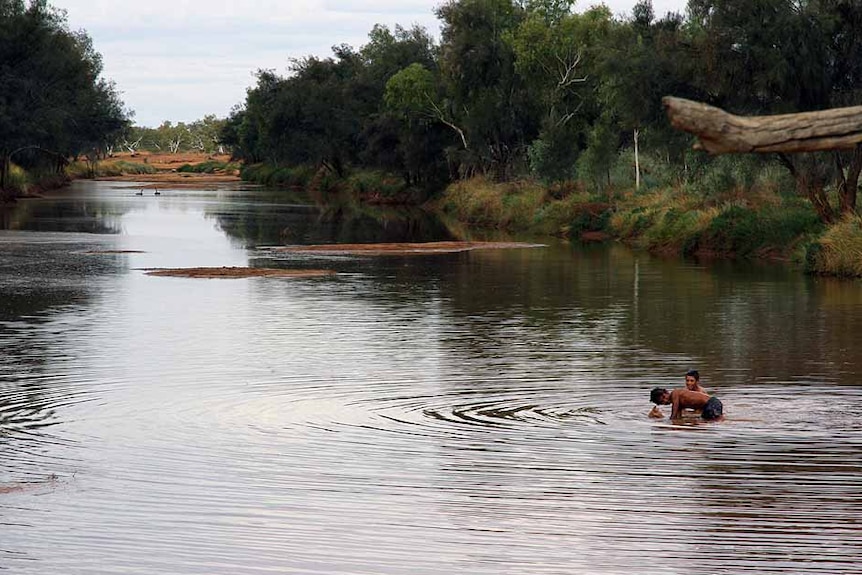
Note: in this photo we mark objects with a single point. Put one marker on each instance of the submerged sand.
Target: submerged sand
(236, 272)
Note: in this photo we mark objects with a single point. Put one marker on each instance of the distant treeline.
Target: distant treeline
(531, 88)
(54, 105)
(199, 136)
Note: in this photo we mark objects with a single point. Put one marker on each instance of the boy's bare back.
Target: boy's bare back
(687, 399)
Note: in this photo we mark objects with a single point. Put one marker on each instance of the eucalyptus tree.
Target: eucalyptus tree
(556, 55)
(485, 97)
(394, 138)
(641, 60)
(52, 99)
(413, 97)
(312, 117)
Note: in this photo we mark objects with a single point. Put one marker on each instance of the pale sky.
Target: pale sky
(180, 60)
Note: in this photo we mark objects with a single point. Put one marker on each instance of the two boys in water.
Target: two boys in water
(692, 397)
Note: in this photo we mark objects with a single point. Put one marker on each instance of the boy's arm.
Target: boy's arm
(676, 411)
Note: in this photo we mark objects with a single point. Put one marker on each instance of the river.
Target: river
(480, 412)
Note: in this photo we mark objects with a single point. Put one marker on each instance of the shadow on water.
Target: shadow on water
(70, 216)
(290, 223)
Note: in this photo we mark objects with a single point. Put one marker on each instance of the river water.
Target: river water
(480, 412)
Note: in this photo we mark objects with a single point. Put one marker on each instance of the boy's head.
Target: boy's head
(692, 378)
(660, 396)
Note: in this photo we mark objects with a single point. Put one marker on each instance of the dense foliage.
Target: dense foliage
(533, 88)
(53, 102)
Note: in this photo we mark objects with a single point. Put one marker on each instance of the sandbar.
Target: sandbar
(236, 272)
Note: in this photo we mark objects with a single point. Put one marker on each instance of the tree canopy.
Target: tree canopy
(53, 102)
(535, 88)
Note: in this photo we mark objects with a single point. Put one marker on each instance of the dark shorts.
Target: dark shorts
(712, 410)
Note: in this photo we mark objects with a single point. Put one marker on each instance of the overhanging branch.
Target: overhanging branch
(719, 132)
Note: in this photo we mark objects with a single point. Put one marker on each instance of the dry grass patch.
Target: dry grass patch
(166, 166)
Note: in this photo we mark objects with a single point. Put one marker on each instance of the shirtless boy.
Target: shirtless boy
(680, 399)
(692, 381)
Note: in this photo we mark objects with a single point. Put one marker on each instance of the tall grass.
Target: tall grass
(17, 180)
(108, 168)
(838, 251)
(743, 231)
(21, 182)
(480, 201)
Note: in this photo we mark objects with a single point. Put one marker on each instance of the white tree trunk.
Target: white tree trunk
(637, 162)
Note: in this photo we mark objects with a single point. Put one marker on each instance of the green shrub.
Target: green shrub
(676, 231)
(296, 177)
(592, 217)
(274, 176)
(741, 231)
(631, 223)
(256, 173)
(375, 184)
(326, 183)
(208, 167)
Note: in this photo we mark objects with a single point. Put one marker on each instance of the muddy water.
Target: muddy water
(481, 413)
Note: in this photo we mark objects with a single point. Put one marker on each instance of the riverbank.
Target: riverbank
(762, 222)
(22, 184)
(182, 169)
(730, 211)
(368, 186)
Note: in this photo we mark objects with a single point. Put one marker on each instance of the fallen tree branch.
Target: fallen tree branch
(719, 132)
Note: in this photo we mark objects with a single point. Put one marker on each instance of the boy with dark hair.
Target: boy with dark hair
(680, 399)
(692, 381)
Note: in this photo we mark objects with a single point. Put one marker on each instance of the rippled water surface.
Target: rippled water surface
(481, 412)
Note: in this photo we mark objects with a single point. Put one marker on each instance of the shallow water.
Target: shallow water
(482, 412)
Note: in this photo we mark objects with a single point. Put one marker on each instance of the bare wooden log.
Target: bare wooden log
(719, 132)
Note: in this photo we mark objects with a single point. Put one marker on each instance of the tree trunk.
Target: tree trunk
(637, 162)
(4, 171)
(719, 132)
(848, 184)
(813, 187)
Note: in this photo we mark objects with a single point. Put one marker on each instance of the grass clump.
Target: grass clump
(208, 167)
(17, 180)
(838, 251)
(480, 201)
(103, 169)
(742, 231)
(573, 216)
(122, 168)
